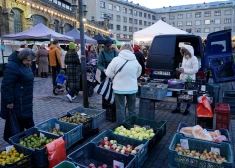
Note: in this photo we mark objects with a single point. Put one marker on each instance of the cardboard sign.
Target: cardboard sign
(216, 150)
(184, 143)
(42, 135)
(8, 148)
(57, 126)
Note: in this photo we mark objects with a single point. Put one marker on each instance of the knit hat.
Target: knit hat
(72, 45)
(136, 48)
(62, 72)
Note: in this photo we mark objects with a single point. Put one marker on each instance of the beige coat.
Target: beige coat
(42, 60)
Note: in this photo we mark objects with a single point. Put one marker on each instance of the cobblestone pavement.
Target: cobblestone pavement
(47, 106)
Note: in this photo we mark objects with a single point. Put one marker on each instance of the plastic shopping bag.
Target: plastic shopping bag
(204, 108)
(11, 126)
(56, 152)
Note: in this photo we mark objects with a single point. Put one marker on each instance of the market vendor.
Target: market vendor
(188, 69)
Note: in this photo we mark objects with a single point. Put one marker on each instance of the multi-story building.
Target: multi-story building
(125, 17)
(200, 18)
(59, 15)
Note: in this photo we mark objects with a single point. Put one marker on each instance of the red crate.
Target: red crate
(222, 125)
(222, 108)
(222, 111)
(220, 117)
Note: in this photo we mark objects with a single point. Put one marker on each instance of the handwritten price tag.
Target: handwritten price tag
(8, 148)
(42, 135)
(184, 143)
(57, 126)
(217, 150)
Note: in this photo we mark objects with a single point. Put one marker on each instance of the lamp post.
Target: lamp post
(83, 56)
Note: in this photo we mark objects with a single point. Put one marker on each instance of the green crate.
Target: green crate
(65, 164)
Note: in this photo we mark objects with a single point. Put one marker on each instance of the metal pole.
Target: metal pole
(133, 25)
(83, 56)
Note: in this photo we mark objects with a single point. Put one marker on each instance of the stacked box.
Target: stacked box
(147, 109)
(222, 116)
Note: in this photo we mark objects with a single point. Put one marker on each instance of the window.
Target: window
(217, 21)
(135, 21)
(130, 37)
(130, 20)
(218, 13)
(149, 23)
(227, 12)
(67, 28)
(172, 24)
(110, 6)
(189, 23)
(110, 26)
(55, 1)
(217, 29)
(152, 23)
(118, 27)
(111, 16)
(118, 18)
(140, 22)
(149, 16)
(130, 29)
(39, 19)
(153, 17)
(227, 27)
(118, 8)
(207, 14)
(198, 22)
(172, 17)
(124, 19)
(145, 15)
(180, 16)
(135, 12)
(140, 14)
(59, 3)
(17, 21)
(102, 4)
(57, 26)
(198, 14)
(124, 36)
(189, 30)
(207, 30)
(198, 30)
(164, 19)
(118, 36)
(207, 22)
(102, 15)
(140, 28)
(189, 15)
(135, 29)
(124, 10)
(124, 28)
(130, 11)
(227, 20)
(92, 18)
(145, 23)
(180, 24)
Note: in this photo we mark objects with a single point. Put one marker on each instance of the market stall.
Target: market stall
(75, 33)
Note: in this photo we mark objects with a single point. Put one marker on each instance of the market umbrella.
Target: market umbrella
(118, 43)
(100, 39)
(38, 32)
(76, 34)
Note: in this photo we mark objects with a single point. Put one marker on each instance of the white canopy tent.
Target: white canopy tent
(159, 28)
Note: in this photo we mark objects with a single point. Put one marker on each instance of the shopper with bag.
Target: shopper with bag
(17, 93)
(124, 69)
(188, 69)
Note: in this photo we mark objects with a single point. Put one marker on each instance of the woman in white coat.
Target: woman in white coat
(125, 82)
(188, 69)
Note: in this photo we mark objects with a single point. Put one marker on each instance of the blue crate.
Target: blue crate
(90, 153)
(147, 109)
(152, 92)
(72, 132)
(96, 120)
(65, 164)
(229, 97)
(141, 156)
(182, 161)
(211, 87)
(222, 131)
(26, 162)
(39, 155)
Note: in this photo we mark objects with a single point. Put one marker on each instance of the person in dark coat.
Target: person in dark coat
(42, 61)
(17, 88)
(140, 58)
(73, 71)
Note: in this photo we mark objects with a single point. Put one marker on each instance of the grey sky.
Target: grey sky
(167, 3)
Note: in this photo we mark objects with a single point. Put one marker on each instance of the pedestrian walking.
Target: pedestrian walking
(42, 61)
(92, 54)
(34, 67)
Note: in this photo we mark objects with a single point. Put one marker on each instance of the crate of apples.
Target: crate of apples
(11, 157)
(114, 146)
(56, 131)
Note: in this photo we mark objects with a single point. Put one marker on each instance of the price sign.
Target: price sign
(117, 164)
(216, 150)
(8, 148)
(184, 143)
(83, 115)
(203, 88)
(42, 135)
(57, 126)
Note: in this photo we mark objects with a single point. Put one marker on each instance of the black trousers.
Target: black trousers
(25, 123)
(55, 72)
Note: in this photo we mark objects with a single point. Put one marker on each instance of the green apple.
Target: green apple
(140, 138)
(152, 135)
(131, 136)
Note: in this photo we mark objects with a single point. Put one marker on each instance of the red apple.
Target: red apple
(102, 143)
(91, 165)
(104, 166)
(118, 150)
(100, 167)
(115, 166)
(127, 152)
(107, 143)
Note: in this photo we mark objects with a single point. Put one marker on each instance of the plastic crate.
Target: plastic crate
(183, 161)
(96, 120)
(26, 162)
(39, 155)
(211, 87)
(205, 122)
(153, 92)
(90, 153)
(222, 111)
(229, 97)
(86, 126)
(222, 131)
(147, 109)
(159, 128)
(192, 86)
(139, 90)
(110, 111)
(65, 164)
(184, 96)
(72, 132)
(175, 85)
(141, 156)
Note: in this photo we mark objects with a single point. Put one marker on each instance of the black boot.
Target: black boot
(41, 74)
(177, 110)
(45, 74)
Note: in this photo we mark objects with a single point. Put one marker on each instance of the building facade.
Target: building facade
(124, 17)
(59, 15)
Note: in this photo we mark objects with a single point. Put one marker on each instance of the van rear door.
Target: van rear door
(219, 56)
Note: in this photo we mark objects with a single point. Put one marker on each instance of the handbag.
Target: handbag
(105, 88)
(11, 126)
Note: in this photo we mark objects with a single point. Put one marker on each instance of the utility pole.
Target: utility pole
(83, 56)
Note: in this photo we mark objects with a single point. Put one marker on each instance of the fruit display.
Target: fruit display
(139, 133)
(74, 119)
(114, 146)
(11, 157)
(86, 116)
(56, 131)
(205, 155)
(93, 166)
(35, 141)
